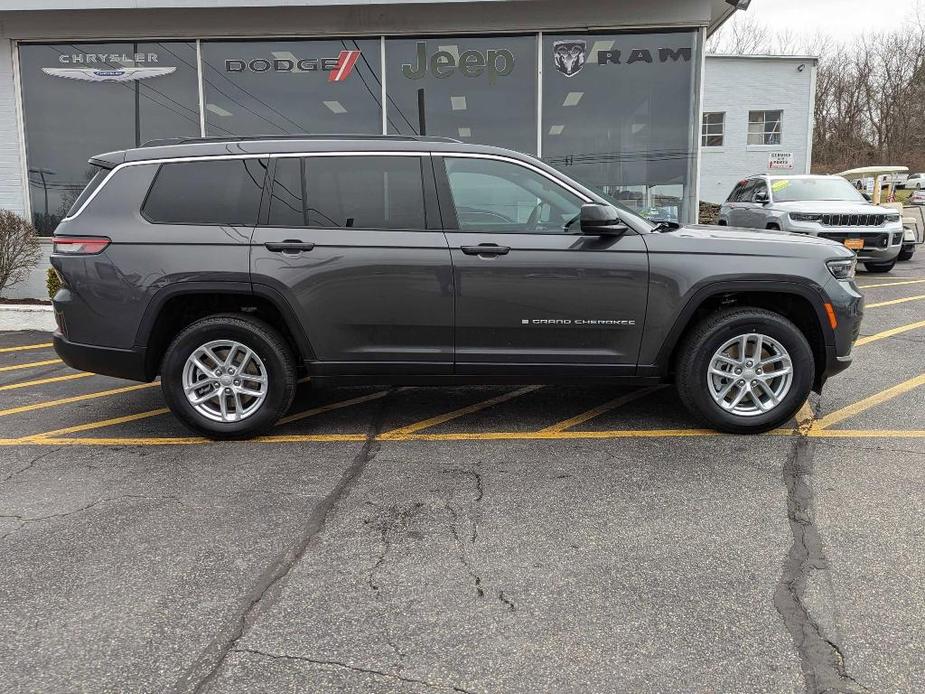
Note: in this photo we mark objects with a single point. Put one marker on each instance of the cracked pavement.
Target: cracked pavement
(779, 564)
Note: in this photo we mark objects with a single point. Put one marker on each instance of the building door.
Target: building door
(530, 288)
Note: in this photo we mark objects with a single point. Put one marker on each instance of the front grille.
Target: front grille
(870, 240)
(853, 220)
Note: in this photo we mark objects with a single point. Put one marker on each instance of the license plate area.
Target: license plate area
(854, 244)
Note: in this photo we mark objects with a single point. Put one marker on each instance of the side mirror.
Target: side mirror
(762, 197)
(601, 220)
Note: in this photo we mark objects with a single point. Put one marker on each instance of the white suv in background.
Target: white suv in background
(824, 206)
(915, 181)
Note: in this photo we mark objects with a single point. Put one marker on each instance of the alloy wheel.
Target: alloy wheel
(750, 375)
(225, 381)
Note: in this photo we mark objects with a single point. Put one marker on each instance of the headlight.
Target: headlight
(798, 217)
(892, 218)
(843, 269)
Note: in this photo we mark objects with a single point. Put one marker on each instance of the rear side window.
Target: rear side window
(223, 191)
(95, 181)
(374, 192)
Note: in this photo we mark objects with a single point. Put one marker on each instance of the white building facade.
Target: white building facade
(757, 118)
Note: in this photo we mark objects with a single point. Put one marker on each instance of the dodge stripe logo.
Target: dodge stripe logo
(345, 62)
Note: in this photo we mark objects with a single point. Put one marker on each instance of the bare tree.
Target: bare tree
(19, 249)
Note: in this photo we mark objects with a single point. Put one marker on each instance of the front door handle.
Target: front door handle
(485, 249)
(289, 246)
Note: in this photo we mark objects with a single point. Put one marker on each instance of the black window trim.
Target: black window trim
(161, 163)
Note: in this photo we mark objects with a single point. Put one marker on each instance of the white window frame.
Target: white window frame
(706, 133)
(760, 118)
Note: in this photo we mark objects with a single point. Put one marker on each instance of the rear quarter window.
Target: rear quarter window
(95, 182)
(224, 191)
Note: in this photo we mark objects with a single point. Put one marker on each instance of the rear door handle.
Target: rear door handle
(289, 246)
(485, 249)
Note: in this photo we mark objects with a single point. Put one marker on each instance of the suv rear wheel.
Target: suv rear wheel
(745, 371)
(228, 376)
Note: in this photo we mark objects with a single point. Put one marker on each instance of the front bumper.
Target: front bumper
(881, 244)
(120, 363)
(848, 304)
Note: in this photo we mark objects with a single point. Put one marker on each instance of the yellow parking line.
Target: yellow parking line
(890, 284)
(332, 406)
(43, 381)
(405, 431)
(99, 425)
(30, 365)
(76, 398)
(867, 403)
(487, 436)
(868, 434)
(599, 410)
(897, 301)
(23, 348)
(890, 333)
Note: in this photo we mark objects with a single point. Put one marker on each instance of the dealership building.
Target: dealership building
(610, 92)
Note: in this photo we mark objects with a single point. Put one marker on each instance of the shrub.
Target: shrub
(53, 282)
(19, 249)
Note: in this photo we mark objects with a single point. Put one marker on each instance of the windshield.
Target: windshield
(621, 208)
(818, 189)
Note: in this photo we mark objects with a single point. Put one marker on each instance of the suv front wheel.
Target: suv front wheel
(228, 376)
(745, 371)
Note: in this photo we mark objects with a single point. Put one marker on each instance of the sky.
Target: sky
(844, 19)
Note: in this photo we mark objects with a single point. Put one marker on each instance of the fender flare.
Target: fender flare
(707, 290)
(244, 289)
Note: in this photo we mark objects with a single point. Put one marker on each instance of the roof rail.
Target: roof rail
(166, 141)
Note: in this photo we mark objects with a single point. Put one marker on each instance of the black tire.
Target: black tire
(699, 346)
(773, 227)
(722, 223)
(266, 343)
(906, 253)
(880, 267)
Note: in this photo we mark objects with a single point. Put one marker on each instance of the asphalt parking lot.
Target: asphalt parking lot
(553, 539)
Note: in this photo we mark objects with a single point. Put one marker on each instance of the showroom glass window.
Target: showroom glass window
(480, 90)
(617, 114)
(291, 87)
(81, 99)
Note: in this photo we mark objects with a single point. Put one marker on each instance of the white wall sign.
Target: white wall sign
(780, 160)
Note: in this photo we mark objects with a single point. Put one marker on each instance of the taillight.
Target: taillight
(80, 245)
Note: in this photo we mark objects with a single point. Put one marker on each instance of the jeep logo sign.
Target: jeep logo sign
(442, 64)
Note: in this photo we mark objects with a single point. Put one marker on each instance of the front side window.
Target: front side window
(713, 129)
(764, 127)
(350, 192)
(223, 191)
(498, 196)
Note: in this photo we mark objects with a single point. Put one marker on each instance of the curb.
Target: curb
(27, 317)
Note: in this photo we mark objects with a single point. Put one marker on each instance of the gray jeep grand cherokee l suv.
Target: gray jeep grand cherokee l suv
(231, 267)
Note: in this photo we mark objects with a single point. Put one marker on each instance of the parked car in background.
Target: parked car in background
(825, 206)
(918, 198)
(915, 181)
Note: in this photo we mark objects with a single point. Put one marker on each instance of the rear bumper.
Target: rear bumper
(120, 363)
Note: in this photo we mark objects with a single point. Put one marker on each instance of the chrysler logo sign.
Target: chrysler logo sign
(338, 68)
(107, 67)
(123, 74)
